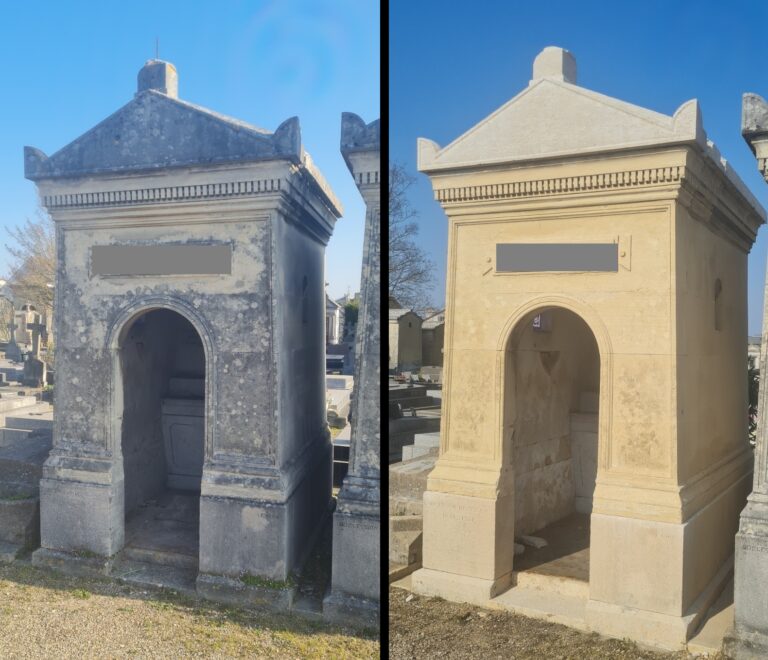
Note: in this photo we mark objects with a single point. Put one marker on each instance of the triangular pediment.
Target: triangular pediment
(552, 118)
(155, 131)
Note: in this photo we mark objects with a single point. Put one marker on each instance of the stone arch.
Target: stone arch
(121, 323)
(561, 445)
(605, 351)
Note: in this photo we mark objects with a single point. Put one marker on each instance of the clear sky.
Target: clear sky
(68, 65)
(453, 63)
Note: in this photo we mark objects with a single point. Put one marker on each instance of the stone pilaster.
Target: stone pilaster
(749, 638)
(356, 524)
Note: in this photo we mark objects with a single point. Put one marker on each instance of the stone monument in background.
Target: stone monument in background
(357, 520)
(749, 639)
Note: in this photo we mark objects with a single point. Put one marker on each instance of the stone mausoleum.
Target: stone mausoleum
(190, 425)
(595, 395)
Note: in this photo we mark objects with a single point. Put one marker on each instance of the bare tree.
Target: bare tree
(33, 261)
(410, 269)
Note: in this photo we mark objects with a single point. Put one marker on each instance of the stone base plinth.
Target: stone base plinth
(458, 588)
(242, 533)
(339, 607)
(81, 518)
(356, 555)
(471, 537)
(69, 563)
(749, 638)
(744, 644)
(253, 592)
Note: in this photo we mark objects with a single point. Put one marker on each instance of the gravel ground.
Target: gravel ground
(47, 615)
(423, 627)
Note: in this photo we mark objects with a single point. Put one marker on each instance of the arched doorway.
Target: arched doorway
(162, 436)
(551, 410)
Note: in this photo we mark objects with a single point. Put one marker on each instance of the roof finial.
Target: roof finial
(554, 62)
(157, 48)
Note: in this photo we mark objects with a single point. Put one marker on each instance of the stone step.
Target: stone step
(155, 575)
(554, 584)
(309, 606)
(159, 557)
(547, 605)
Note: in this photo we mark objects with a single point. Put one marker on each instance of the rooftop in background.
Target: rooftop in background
(395, 314)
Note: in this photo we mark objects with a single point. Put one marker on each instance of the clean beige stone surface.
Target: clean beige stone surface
(560, 164)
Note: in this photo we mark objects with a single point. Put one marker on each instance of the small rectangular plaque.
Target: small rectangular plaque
(161, 259)
(541, 257)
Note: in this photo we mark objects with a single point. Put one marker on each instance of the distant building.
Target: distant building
(432, 338)
(349, 298)
(753, 348)
(334, 321)
(404, 339)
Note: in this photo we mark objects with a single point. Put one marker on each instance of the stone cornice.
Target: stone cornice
(162, 194)
(356, 135)
(562, 185)
(762, 165)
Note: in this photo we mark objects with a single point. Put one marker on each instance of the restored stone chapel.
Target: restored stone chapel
(594, 394)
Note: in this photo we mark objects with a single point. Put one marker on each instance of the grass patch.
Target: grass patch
(82, 594)
(16, 498)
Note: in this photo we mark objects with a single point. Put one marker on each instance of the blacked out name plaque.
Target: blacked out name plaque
(161, 259)
(549, 257)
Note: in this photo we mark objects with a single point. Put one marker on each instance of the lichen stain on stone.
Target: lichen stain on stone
(254, 520)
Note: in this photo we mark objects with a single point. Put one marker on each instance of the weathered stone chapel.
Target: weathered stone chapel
(190, 425)
(594, 454)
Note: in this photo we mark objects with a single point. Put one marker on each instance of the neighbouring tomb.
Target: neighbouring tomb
(190, 412)
(432, 340)
(404, 340)
(12, 350)
(35, 369)
(355, 582)
(334, 321)
(749, 638)
(594, 393)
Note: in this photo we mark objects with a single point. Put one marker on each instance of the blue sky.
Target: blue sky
(68, 65)
(453, 63)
